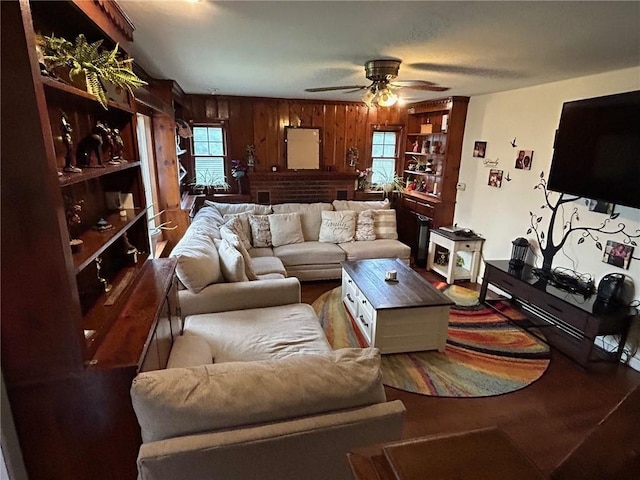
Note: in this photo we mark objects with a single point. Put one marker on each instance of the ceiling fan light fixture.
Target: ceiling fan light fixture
(386, 97)
(368, 97)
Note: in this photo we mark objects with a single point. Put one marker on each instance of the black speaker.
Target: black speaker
(610, 289)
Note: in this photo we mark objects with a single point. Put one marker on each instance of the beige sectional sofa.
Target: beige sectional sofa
(307, 241)
(259, 394)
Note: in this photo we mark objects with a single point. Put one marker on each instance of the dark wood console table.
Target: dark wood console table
(569, 321)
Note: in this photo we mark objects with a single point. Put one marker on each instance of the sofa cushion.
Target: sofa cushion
(198, 263)
(231, 262)
(210, 213)
(183, 401)
(359, 206)
(239, 224)
(261, 252)
(285, 229)
(309, 253)
(310, 216)
(189, 351)
(260, 231)
(337, 227)
(266, 265)
(384, 224)
(365, 226)
(382, 248)
(234, 240)
(260, 333)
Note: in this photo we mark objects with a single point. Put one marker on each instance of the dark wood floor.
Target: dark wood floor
(547, 419)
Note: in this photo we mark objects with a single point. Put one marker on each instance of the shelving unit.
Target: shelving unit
(433, 169)
(71, 345)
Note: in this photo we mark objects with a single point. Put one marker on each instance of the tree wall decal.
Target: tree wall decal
(549, 247)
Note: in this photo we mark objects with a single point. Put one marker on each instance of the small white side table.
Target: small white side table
(455, 243)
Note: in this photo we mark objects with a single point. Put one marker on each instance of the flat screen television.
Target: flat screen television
(597, 149)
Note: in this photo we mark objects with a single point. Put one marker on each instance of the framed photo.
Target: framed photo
(524, 159)
(479, 149)
(495, 178)
(599, 206)
(617, 254)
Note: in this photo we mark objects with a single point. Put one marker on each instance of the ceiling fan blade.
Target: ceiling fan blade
(359, 89)
(328, 89)
(410, 83)
(428, 88)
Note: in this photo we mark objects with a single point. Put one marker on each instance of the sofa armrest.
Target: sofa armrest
(223, 297)
(313, 448)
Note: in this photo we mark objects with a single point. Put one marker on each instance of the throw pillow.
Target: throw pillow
(260, 232)
(285, 229)
(385, 224)
(198, 263)
(365, 226)
(239, 224)
(231, 262)
(337, 227)
(361, 205)
(234, 240)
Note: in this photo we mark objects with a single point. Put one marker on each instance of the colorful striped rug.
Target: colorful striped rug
(485, 355)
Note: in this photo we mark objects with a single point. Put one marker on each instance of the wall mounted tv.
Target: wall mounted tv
(597, 149)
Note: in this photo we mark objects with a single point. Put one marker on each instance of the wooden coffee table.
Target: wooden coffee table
(405, 316)
(486, 454)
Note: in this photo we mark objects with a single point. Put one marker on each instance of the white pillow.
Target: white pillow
(234, 240)
(198, 263)
(359, 206)
(365, 230)
(239, 224)
(260, 232)
(385, 224)
(231, 262)
(337, 227)
(285, 229)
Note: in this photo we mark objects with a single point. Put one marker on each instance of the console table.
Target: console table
(569, 321)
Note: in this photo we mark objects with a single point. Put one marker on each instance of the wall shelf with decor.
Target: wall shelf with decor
(431, 163)
(66, 307)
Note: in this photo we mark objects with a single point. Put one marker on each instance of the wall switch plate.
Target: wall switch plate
(461, 186)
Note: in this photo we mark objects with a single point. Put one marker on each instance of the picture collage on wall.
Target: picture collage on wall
(524, 159)
(617, 254)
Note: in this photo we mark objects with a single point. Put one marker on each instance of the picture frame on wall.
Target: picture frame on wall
(524, 159)
(479, 149)
(599, 206)
(617, 254)
(495, 178)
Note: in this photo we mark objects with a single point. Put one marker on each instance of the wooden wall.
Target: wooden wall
(262, 122)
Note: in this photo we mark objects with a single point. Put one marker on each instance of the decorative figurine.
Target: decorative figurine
(130, 251)
(93, 143)
(118, 146)
(103, 225)
(72, 213)
(65, 125)
(353, 156)
(105, 283)
(251, 155)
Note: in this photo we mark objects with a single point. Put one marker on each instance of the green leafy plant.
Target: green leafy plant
(389, 181)
(88, 64)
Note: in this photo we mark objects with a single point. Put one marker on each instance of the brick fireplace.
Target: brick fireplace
(303, 186)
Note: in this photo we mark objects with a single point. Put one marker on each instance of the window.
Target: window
(209, 154)
(383, 156)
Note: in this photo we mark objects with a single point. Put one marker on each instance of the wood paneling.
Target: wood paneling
(261, 121)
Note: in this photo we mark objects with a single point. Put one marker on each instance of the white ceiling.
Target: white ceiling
(277, 49)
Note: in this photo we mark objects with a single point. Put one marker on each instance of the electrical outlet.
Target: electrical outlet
(461, 186)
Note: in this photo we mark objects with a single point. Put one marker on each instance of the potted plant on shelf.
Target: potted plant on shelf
(86, 65)
(390, 182)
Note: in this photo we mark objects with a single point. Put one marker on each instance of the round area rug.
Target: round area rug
(485, 355)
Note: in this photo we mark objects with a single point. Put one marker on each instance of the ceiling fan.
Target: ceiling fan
(381, 90)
